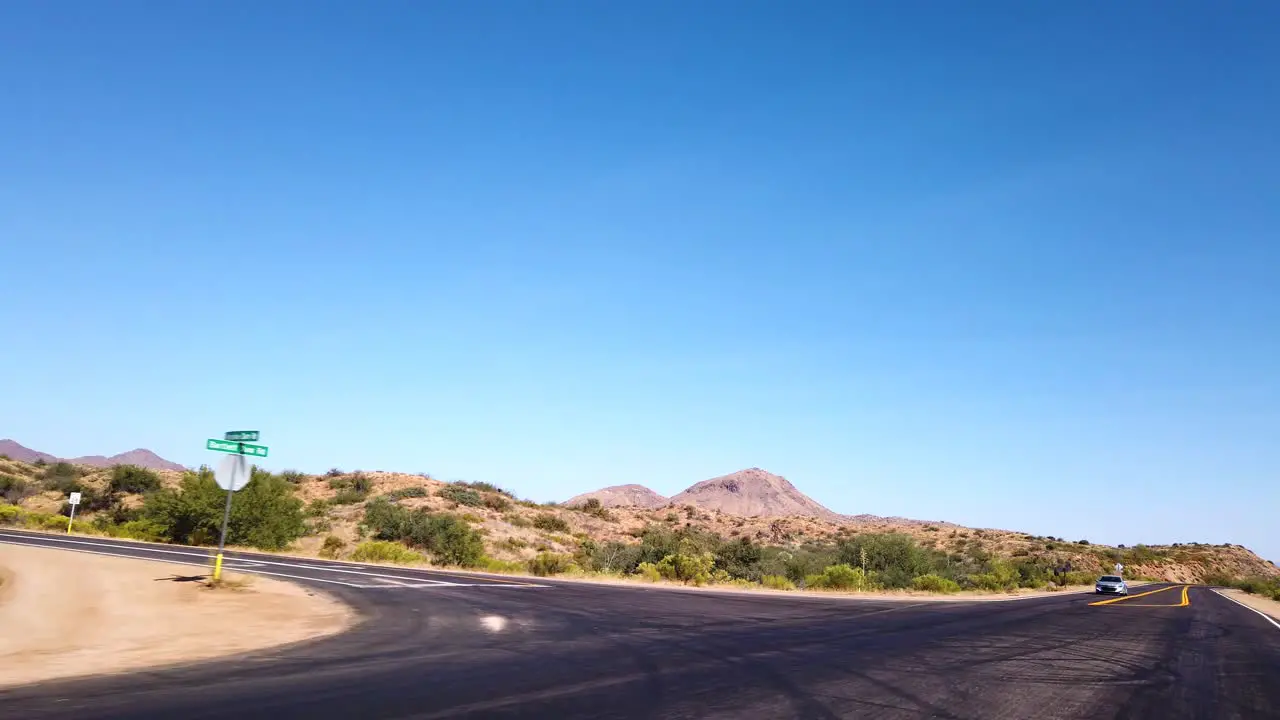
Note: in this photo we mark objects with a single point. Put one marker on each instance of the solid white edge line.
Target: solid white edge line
(1263, 615)
(116, 546)
(185, 563)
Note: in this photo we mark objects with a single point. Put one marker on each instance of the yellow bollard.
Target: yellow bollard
(217, 567)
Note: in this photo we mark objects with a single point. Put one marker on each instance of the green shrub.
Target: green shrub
(895, 558)
(648, 571)
(483, 487)
(318, 508)
(449, 539)
(461, 495)
(386, 552)
(415, 491)
(332, 547)
(613, 557)
(740, 558)
(349, 496)
(147, 530)
(546, 564)
(935, 584)
(293, 476)
(264, 515)
(503, 566)
(841, 577)
(10, 514)
(133, 479)
(777, 582)
(689, 568)
(595, 508)
(338, 482)
(13, 488)
(550, 523)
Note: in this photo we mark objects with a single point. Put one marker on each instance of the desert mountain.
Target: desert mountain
(753, 493)
(140, 457)
(22, 453)
(621, 496)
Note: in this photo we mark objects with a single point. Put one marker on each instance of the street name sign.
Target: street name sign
(241, 436)
(238, 448)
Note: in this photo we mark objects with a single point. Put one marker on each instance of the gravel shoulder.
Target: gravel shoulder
(67, 614)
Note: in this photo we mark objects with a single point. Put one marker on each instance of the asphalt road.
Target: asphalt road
(451, 645)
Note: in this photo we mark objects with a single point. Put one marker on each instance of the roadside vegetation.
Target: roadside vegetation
(413, 519)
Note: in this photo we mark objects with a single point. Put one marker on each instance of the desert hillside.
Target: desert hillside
(374, 516)
(637, 496)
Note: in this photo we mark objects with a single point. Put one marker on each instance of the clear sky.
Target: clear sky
(1004, 264)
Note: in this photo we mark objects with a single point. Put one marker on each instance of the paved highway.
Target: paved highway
(455, 645)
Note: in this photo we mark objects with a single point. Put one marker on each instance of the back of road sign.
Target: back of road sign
(232, 472)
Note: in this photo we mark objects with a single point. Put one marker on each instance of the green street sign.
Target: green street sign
(238, 448)
(241, 436)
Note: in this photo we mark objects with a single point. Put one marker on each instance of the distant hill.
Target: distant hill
(753, 493)
(621, 496)
(22, 453)
(140, 457)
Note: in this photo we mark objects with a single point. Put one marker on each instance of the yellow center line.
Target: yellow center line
(1135, 597)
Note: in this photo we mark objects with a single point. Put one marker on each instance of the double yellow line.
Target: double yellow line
(1185, 599)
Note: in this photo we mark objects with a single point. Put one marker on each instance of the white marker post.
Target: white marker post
(75, 500)
(1119, 568)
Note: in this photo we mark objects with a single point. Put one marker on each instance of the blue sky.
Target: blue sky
(994, 263)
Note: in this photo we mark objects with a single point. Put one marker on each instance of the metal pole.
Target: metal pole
(222, 539)
(71, 519)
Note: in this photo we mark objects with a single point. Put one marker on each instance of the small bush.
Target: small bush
(503, 566)
(519, 521)
(318, 508)
(385, 551)
(147, 530)
(1082, 542)
(648, 571)
(935, 584)
(841, 577)
(777, 582)
(415, 491)
(361, 483)
(333, 472)
(461, 495)
(546, 564)
(595, 508)
(688, 568)
(515, 543)
(339, 483)
(550, 523)
(332, 547)
(293, 476)
(499, 503)
(10, 514)
(133, 479)
(13, 488)
(348, 496)
(485, 487)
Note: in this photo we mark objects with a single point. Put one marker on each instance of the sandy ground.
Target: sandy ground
(65, 614)
(1257, 602)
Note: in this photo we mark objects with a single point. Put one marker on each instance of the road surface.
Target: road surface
(452, 645)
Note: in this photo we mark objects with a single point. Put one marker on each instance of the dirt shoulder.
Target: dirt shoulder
(1257, 602)
(69, 614)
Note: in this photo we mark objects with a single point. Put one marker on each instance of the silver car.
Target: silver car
(1111, 585)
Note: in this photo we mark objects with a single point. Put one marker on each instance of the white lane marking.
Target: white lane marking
(206, 555)
(1261, 614)
(188, 563)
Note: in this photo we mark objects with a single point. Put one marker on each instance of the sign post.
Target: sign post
(75, 500)
(1119, 568)
(232, 474)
